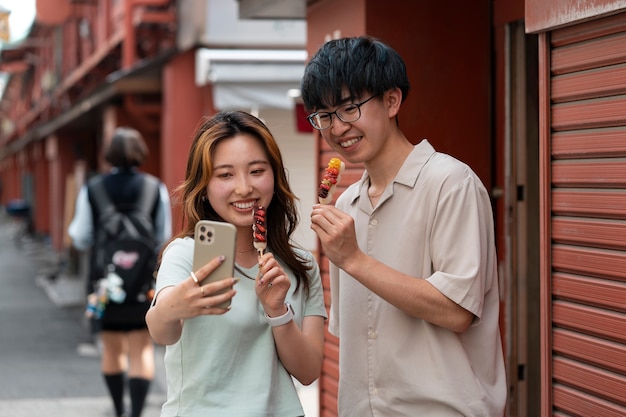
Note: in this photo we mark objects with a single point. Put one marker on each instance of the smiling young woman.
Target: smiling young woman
(275, 324)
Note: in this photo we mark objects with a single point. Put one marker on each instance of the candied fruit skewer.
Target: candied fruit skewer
(259, 229)
(332, 176)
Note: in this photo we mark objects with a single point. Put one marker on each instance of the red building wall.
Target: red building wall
(183, 105)
(449, 70)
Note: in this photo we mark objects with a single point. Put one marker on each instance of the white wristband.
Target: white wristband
(281, 320)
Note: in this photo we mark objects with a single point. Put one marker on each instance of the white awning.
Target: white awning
(250, 78)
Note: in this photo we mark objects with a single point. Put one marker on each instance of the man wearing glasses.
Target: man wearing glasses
(414, 288)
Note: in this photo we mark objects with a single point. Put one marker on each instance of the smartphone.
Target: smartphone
(212, 239)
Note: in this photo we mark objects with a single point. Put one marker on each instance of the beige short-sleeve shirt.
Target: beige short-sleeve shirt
(434, 222)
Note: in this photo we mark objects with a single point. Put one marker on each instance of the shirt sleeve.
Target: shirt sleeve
(461, 246)
(315, 302)
(163, 226)
(176, 263)
(81, 228)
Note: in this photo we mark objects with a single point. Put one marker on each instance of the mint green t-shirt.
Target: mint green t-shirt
(227, 365)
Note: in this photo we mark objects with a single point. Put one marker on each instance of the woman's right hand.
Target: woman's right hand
(192, 297)
(186, 300)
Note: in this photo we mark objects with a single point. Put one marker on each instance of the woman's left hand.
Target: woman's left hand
(272, 285)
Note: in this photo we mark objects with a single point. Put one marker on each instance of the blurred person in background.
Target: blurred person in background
(127, 349)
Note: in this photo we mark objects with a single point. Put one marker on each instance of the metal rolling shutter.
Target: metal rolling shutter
(585, 219)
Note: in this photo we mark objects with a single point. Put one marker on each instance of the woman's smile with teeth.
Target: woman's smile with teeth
(244, 206)
(348, 143)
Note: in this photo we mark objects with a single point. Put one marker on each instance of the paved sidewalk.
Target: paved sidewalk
(69, 407)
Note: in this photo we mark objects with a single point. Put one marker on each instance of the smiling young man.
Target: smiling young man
(414, 289)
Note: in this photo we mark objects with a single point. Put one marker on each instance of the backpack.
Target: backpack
(125, 242)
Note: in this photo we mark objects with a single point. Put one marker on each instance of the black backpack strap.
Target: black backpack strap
(106, 208)
(148, 195)
(101, 198)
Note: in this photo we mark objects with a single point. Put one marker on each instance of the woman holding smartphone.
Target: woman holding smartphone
(238, 360)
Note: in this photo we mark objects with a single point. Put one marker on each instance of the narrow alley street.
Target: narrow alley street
(48, 363)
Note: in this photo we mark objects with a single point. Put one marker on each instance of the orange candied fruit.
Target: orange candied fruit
(334, 163)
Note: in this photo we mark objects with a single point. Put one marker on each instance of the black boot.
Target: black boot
(115, 383)
(138, 393)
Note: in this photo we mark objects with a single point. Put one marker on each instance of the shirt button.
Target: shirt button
(374, 222)
(373, 335)
(374, 391)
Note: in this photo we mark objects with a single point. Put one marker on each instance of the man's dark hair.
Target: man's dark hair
(357, 65)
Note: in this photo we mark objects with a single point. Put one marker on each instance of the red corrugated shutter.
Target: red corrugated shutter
(584, 212)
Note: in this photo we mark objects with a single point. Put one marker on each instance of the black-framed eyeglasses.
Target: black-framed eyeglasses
(347, 113)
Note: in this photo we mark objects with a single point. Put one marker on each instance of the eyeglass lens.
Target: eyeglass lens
(347, 113)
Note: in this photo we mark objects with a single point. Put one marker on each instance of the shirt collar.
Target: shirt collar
(408, 173)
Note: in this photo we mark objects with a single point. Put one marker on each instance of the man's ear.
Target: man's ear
(393, 100)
